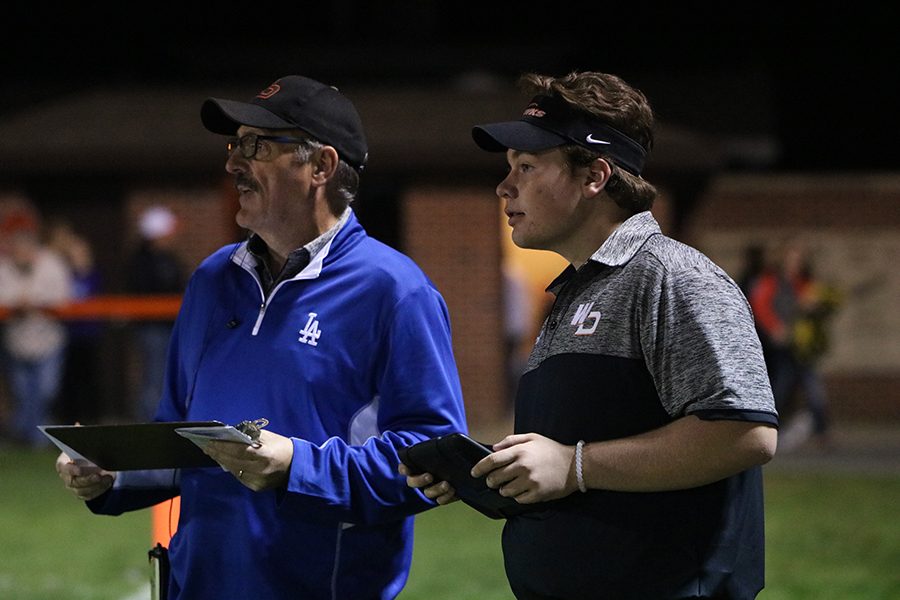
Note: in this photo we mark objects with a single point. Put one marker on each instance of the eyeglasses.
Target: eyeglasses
(250, 144)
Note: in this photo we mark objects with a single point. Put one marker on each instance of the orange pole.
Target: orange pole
(165, 521)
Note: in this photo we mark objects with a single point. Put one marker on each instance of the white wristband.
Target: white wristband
(579, 475)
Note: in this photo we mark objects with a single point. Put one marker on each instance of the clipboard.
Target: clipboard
(451, 458)
(132, 447)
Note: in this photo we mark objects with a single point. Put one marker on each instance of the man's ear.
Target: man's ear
(598, 175)
(325, 163)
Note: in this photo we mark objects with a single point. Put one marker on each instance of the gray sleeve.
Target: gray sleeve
(701, 346)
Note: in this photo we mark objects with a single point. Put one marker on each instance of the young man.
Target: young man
(342, 343)
(644, 411)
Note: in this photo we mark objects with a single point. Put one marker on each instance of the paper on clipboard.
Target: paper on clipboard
(203, 435)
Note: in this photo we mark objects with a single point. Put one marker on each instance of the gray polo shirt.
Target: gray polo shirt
(648, 298)
(647, 331)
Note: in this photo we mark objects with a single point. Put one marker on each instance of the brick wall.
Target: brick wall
(453, 236)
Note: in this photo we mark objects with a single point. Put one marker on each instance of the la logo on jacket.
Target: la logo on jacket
(311, 333)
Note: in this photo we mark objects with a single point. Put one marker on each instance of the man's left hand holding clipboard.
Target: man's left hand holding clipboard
(261, 462)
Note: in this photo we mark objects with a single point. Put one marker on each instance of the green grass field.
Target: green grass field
(829, 537)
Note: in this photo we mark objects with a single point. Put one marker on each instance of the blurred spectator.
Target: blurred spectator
(752, 268)
(818, 303)
(154, 268)
(754, 262)
(33, 278)
(792, 310)
(774, 299)
(81, 393)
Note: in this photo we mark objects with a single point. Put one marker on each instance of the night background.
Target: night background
(818, 79)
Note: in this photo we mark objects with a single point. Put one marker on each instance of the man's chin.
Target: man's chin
(523, 241)
(242, 220)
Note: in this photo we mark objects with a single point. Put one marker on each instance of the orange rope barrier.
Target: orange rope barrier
(115, 307)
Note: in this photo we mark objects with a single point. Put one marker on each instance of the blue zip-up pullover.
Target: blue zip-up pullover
(352, 359)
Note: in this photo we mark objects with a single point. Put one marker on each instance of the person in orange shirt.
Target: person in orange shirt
(790, 308)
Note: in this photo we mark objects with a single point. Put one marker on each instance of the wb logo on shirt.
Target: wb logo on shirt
(586, 319)
(311, 333)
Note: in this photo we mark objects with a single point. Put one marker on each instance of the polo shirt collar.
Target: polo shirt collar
(626, 240)
(619, 248)
(303, 263)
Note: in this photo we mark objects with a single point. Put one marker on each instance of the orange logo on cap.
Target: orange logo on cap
(269, 91)
(533, 111)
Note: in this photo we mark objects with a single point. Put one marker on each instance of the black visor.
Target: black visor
(549, 122)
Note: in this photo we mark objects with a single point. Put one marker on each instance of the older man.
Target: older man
(340, 342)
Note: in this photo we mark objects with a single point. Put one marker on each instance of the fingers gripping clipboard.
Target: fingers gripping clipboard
(451, 458)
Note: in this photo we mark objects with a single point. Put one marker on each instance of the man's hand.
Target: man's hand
(261, 467)
(530, 468)
(441, 492)
(85, 481)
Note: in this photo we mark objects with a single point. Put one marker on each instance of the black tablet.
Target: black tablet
(451, 458)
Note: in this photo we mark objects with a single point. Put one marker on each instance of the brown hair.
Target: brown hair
(616, 103)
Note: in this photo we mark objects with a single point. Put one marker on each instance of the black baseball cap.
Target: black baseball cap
(295, 102)
(549, 122)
